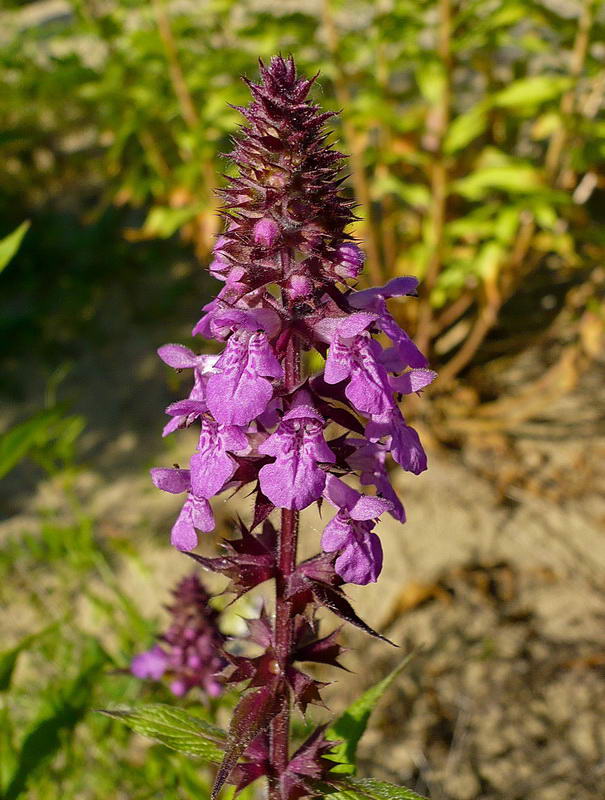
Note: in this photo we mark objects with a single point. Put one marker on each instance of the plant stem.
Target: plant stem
(436, 128)
(286, 564)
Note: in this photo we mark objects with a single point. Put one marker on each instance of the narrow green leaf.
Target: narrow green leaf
(532, 91)
(511, 178)
(8, 753)
(10, 244)
(370, 789)
(8, 659)
(350, 726)
(465, 128)
(174, 728)
(18, 441)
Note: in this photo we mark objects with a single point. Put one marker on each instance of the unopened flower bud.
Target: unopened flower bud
(299, 286)
(266, 232)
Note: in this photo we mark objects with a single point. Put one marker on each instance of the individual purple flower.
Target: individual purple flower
(369, 459)
(350, 532)
(405, 353)
(151, 664)
(295, 480)
(190, 653)
(212, 466)
(403, 441)
(350, 260)
(356, 355)
(185, 412)
(238, 390)
(266, 232)
(196, 513)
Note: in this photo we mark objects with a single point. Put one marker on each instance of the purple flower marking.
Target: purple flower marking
(211, 466)
(403, 441)
(151, 664)
(357, 356)
(350, 260)
(196, 512)
(294, 480)
(350, 532)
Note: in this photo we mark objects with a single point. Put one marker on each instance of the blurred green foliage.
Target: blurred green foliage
(476, 133)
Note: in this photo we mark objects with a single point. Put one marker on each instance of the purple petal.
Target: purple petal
(210, 471)
(174, 481)
(237, 392)
(369, 508)
(196, 513)
(405, 444)
(150, 664)
(337, 534)
(293, 483)
(186, 407)
(175, 424)
(413, 381)
(339, 494)
(361, 561)
(397, 287)
(339, 363)
(355, 323)
(178, 356)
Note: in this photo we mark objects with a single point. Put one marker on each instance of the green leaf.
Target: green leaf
(16, 443)
(465, 128)
(163, 222)
(174, 728)
(532, 91)
(511, 178)
(8, 659)
(370, 789)
(350, 726)
(11, 243)
(8, 753)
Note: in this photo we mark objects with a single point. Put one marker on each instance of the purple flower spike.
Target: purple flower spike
(239, 390)
(294, 480)
(151, 664)
(287, 261)
(266, 232)
(190, 653)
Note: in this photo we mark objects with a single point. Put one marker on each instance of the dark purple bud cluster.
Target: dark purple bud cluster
(289, 265)
(190, 653)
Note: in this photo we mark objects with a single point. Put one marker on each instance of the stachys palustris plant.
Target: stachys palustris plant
(289, 267)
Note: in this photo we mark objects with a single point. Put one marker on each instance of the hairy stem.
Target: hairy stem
(286, 564)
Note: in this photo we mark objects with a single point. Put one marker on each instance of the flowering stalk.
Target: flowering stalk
(289, 268)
